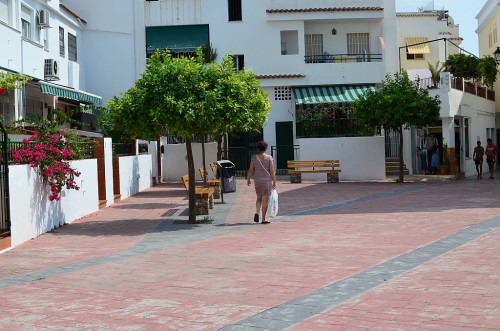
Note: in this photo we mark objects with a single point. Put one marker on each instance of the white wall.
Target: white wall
(108, 169)
(174, 160)
(361, 158)
(135, 174)
(153, 151)
(33, 214)
(106, 35)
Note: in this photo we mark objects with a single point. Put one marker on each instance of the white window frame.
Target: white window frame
(358, 43)
(27, 22)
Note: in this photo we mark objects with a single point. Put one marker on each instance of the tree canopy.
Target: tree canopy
(397, 105)
(187, 98)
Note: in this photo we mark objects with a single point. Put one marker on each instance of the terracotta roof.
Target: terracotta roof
(315, 10)
(418, 14)
(280, 76)
(72, 13)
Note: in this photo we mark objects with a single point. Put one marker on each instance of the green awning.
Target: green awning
(329, 94)
(68, 93)
(177, 38)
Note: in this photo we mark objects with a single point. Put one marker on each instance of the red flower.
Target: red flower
(2, 91)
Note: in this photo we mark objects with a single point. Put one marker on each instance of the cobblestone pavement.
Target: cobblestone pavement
(347, 256)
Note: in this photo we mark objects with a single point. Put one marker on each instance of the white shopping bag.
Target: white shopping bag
(272, 208)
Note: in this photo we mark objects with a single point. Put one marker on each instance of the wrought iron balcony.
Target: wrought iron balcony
(343, 58)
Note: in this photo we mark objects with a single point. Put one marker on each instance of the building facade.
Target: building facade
(488, 23)
(467, 111)
(43, 40)
(305, 53)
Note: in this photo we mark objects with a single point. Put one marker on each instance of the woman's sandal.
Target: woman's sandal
(256, 218)
(265, 222)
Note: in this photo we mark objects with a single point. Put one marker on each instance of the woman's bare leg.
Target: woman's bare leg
(258, 204)
(265, 201)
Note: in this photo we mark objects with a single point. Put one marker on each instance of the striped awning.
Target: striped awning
(71, 94)
(422, 46)
(329, 94)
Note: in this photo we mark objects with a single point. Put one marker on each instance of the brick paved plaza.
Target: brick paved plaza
(347, 256)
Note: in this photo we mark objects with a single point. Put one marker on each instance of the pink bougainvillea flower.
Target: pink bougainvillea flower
(49, 154)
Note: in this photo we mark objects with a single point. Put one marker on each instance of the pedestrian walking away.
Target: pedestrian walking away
(478, 159)
(264, 178)
(491, 153)
(430, 146)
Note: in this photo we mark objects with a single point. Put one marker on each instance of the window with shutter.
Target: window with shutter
(26, 22)
(62, 48)
(72, 50)
(4, 11)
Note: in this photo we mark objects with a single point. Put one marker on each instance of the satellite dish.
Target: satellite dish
(451, 22)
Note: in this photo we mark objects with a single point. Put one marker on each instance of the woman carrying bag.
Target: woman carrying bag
(262, 169)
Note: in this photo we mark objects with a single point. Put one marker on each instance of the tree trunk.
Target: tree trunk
(401, 159)
(219, 148)
(192, 201)
(226, 146)
(203, 162)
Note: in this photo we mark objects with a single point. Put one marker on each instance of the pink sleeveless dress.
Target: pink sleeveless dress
(263, 181)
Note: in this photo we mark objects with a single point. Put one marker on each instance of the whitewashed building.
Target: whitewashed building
(488, 23)
(302, 51)
(43, 40)
(467, 111)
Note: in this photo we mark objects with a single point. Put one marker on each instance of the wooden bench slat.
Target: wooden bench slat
(314, 171)
(313, 161)
(298, 167)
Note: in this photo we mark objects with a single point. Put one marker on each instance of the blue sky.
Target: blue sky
(463, 12)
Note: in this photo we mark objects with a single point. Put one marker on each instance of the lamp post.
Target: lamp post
(496, 54)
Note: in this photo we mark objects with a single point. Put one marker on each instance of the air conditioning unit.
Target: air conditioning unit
(51, 69)
(43, 18)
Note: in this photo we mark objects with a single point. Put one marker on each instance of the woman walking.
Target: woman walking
(264, 178)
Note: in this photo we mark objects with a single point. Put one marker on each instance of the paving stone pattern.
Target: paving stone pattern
(343, 256)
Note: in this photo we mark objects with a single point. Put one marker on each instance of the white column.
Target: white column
(448, 131)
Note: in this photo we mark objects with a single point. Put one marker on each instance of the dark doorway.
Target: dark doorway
(241, 147)
(284, 149)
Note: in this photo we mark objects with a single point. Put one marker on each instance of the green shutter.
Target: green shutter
(177, 38)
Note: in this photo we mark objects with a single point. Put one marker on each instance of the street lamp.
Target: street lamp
(496, 54)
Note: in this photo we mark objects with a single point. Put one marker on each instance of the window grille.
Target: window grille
(282, 93)
(72, 50)
(314, 44)
(62, 47)
(358, 43)
(234, 10)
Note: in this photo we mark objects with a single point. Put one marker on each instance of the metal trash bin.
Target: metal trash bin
(226, 170)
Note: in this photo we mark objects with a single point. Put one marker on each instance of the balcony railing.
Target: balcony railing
(344, 127)
(458, 83)
(343, 58)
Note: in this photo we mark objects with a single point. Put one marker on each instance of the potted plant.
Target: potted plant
(435, 73)
(444, 169)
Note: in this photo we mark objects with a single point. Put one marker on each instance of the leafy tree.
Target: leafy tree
(471, 67)
(397, 105)
(10, 81)
(487, 68)
(187, 98)
(462, 65)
